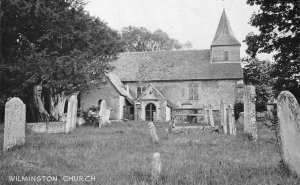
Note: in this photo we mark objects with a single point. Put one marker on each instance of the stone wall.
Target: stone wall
(209, 92)
(108, 93)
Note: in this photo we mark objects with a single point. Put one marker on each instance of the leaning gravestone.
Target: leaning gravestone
(153, 134)
(289, 128)
(223, 116)
(14, 123)
(102, 112)
(71, 114)
(155, 167)
(250, 126)
(230, 112)
(211, 117)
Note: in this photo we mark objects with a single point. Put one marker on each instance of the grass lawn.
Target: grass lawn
(121, 153)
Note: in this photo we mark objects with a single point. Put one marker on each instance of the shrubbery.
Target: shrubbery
(238, 107)
(91, 116)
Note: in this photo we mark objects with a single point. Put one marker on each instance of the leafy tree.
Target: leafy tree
(188, 45)
(141, 39)
(257, 73)
(278, 22)
(50, 50)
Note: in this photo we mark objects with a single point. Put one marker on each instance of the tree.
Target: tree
(52, 49)
(257, 73)
(188, 45)
(279, 32)
(141, 39)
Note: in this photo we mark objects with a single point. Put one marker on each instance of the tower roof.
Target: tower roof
(224, 35)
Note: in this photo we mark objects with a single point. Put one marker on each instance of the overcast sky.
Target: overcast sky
(185, 20)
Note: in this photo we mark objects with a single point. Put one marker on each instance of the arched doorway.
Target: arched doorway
(150, 110)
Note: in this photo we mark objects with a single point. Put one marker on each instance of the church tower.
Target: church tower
(225, 47)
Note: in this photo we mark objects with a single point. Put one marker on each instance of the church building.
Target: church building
(155, 85)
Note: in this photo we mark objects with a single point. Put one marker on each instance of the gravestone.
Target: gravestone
(230, 113)
(205, 115)
(154, 117)
(156, 166)
(250, 126)
(107, 115)
(241, 118)
(14, 123)
(153, 134)
(102, 113)
(289, 129)
(223, 116)
(211, 117)
(74, 118)
(269, 115)
(80, 121)
(71, 114)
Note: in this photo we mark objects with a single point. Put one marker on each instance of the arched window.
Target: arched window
(149, 112)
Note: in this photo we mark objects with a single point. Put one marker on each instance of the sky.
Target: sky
(185, 20)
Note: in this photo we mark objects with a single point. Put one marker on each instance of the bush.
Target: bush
(260, 107)
(91, 116)
(238, 107)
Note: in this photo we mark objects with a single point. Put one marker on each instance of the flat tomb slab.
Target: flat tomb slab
(48, 128)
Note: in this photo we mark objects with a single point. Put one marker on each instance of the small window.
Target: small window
(225, 55)
(193, 91)
(140, 90)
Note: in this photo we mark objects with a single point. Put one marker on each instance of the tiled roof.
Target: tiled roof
(174, 65)
(224, 34)
(115, 80)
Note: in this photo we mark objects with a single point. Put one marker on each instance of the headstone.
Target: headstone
(269, 113)
(14, 123)
(107, 116)
(250, 126)
(75, 107)
(156, 166)
(241, 118)
(153, 134)
(230, 112)
(154, 117)
(289, 129)
(223, 116)
(205, 116)
(102, 113)
(269, 117)
(80, 121)
(211, 117)
(71, 114)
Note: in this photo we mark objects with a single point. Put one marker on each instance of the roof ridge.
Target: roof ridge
(143, 52)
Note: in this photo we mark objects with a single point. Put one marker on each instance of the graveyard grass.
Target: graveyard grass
(121, 154)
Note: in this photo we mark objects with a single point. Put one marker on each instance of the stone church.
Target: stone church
(154, 85)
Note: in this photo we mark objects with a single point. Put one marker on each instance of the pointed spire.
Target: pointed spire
(224, 34)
